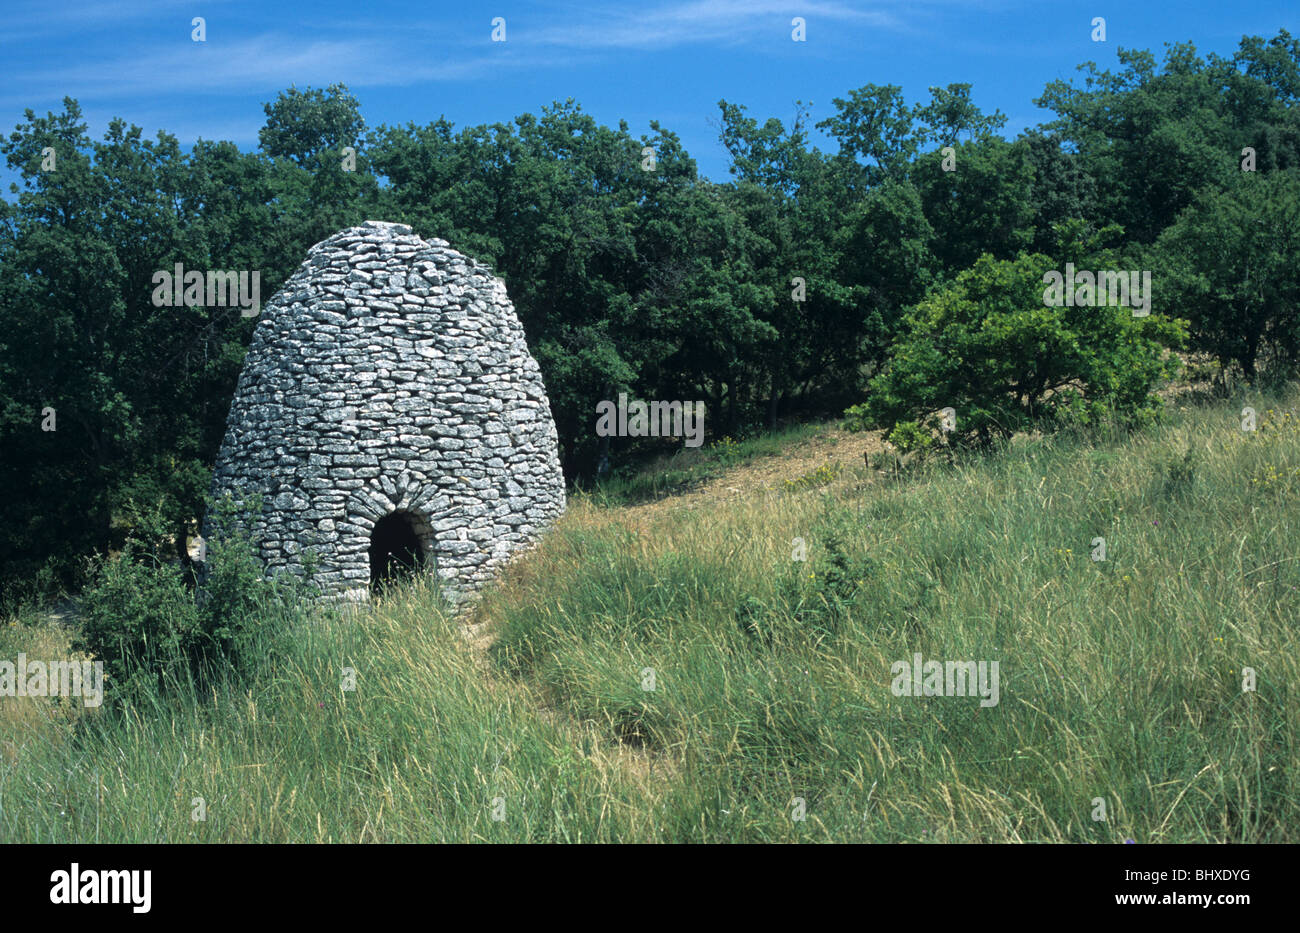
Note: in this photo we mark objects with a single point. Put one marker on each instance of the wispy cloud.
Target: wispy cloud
(258, 63)
(378, 52)
(728, 22)
(40, 19)
(384, 55)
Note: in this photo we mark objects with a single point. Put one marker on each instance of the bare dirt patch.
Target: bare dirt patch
(763, 475)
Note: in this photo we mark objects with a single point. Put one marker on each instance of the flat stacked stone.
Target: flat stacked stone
(390, 374)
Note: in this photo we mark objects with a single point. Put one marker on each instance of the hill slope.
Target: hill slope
(660, 672)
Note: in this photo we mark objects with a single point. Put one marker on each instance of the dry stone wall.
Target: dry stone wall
(390, 375)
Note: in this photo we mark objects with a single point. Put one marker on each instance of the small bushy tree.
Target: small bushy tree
(140, 620)
(152, 631)
(989, 347)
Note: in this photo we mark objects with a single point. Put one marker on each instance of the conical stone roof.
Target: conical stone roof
(390, 375)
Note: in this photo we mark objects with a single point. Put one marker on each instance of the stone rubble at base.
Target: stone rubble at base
(391, 374)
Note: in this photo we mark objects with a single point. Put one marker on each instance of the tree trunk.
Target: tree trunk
(602, 457)
(773, 401)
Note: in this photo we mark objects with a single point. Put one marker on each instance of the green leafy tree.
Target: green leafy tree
(981, 206)
(1232, 268)
(80, 337)
(950, 113)
(883, 242)
(1062, 188)
(989, 347)
(319, 187)
(1153, 138)
(875, 129)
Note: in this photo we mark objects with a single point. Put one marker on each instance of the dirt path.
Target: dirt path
(63, 612)
(765, 474)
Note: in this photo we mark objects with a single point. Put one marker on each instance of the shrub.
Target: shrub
(814, 598)
(138, 617)
(1179, 473)
(826, 473)
(914, 437)
(234, 595)
(151, 630)
(988, 347)
(23, 598)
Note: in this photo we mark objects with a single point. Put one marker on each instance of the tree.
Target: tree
(1061, 190)
(981, 206)
(950, 113)
(793, 199)
(137, 391)
(1153, 139)
(989, 347)
(320, 187)
(874, 124)
(302, 126)
(1232, 268)
(883, 242)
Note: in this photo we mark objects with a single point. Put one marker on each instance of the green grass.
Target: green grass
(1120, 680)
(417, 752)
(771, 676)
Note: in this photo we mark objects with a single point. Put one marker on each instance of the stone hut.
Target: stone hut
(389, 414)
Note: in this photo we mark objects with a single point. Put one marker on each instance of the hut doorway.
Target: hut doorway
(396, 552)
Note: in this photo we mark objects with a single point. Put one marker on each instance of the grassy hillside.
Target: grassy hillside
(661, 673)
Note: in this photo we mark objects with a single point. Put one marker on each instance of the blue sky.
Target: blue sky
(638, 60)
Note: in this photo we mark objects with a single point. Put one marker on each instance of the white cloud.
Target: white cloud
(261, 63)
(385, 54)
(711, 21)
(41, 19)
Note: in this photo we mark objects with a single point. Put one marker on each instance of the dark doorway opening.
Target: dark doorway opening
(395, 551)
